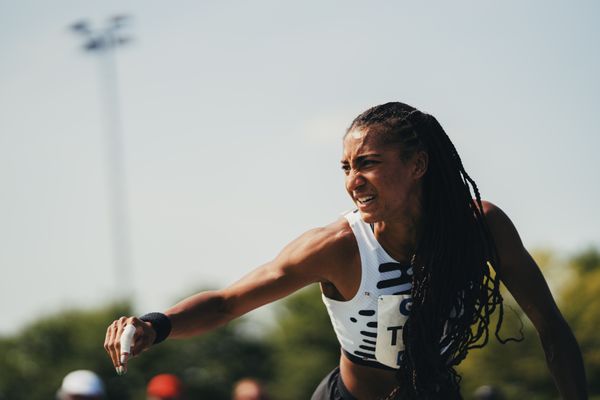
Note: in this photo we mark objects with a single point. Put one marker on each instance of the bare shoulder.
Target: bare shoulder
(310, 258)
(501, 227)
(330, 244)
(491, 210)
(514, 259)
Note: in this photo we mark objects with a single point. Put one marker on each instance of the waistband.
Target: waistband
(366, 363)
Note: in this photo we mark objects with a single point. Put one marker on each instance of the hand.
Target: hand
(142, 340)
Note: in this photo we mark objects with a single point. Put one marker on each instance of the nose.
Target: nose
(354, 180)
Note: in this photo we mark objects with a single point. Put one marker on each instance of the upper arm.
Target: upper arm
(520, 273)
(308, 259)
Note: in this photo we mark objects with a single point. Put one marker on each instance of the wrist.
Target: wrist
(160, 323)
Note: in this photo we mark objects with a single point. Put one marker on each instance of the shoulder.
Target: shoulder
(501, 226)
(491, 210)
(509, 246)
(332, 243)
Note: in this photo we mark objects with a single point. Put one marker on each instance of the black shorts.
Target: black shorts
(332, 388)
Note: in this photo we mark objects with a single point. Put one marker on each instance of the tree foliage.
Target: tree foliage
(304, 346)
(581, 306)
(519, 369)
(34, 362)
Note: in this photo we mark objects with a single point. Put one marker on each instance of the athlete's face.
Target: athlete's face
(383, 185)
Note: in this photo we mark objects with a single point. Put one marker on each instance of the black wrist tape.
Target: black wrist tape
(161, 324)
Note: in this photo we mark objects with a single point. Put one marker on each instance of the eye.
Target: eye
(369, 163)
(346, 168)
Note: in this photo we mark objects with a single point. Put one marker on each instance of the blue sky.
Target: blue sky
(232, 116)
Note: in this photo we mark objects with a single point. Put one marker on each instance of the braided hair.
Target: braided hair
(454, 288)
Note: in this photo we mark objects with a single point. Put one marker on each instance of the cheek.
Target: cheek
(398, 187)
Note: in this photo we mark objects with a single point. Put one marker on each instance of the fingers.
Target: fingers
(109, 342)
(125, 341)
(120, 347)
(112, 343)
(143, 338)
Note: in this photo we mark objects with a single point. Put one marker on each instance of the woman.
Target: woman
(409, 279)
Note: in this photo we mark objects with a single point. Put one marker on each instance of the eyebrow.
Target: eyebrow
(361, 158)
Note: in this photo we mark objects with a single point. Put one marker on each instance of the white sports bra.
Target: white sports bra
(369, 326)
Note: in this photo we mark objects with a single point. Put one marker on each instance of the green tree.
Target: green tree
(305, 346)
(209, 364)
(581, 305)
(519, 369)
(34, 362)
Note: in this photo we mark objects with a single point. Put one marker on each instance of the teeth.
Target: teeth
(365, 199)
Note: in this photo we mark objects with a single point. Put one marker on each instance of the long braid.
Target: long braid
(454, 289)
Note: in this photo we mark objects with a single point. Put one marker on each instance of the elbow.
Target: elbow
(557, 337)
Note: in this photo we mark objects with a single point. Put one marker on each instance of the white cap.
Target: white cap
(83, 383)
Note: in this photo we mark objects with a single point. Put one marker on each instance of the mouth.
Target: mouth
(364, 200)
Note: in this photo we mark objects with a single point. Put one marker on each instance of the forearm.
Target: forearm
(565, 363)
(197, 314)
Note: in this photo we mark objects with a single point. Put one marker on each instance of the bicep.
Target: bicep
(300, 263)
(520, 273)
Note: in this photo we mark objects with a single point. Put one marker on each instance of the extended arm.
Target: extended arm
(295, 267)
(522, 277)
(310, 258)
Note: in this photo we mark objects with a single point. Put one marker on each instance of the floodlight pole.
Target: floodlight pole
(104, 43)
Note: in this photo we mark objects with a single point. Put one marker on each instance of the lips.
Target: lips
(365, 199)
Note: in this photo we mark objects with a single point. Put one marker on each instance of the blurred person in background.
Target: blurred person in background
(410, 278)
(487, 392)
(164, 387)
(81, 385)
(248, 389)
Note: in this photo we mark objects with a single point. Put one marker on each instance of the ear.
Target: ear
(420, 164)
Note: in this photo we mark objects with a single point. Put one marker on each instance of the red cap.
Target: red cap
(164, 385)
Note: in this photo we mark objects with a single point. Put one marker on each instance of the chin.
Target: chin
(369, 218)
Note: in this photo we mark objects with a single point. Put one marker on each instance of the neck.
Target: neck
(400, 237)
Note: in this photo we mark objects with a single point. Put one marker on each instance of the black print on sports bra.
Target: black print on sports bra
(367, 348)
(402, 281)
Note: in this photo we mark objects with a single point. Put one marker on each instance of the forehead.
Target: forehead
(359, 142)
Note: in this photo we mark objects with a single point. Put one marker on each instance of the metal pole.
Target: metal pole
(104, 42)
